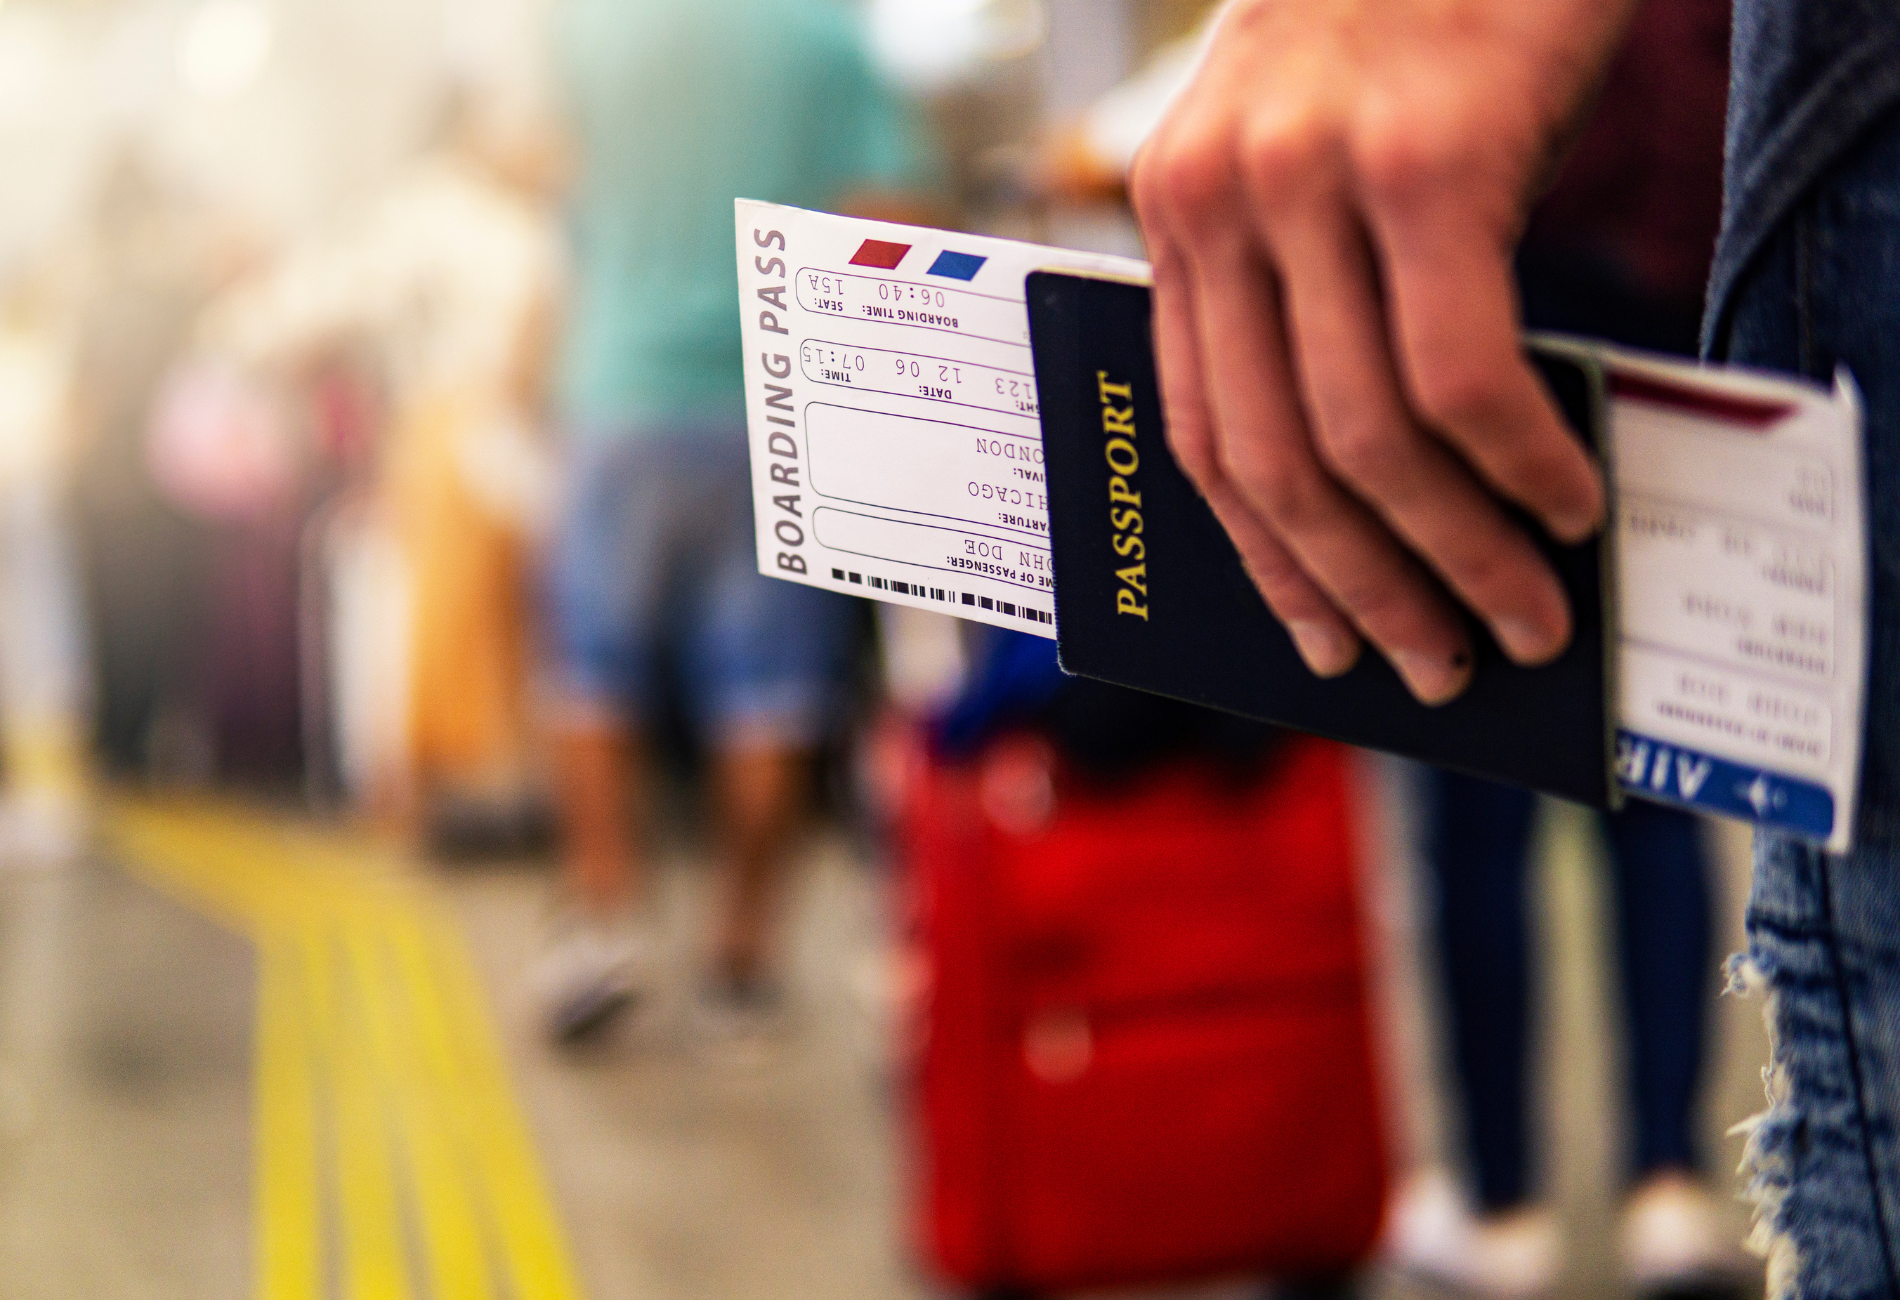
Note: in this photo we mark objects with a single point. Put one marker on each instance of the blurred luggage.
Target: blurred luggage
(249, 654)
(223, 448)
(1148, 1051)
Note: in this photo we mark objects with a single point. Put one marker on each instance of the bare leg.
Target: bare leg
(760, 792)
(604, 794)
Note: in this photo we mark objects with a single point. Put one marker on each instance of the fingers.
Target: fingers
(1264, 450)
(1451, 298)
(1337, 338)
(1234, 420)
(1326, 641)
(1367, 437)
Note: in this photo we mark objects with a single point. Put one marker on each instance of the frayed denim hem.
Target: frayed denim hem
(1766, 1168)
(1820, 1160)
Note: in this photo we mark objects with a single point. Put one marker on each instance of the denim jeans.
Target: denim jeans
(1824, 930)
(654, 582)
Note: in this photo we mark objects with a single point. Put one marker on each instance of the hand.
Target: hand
(1331, 209)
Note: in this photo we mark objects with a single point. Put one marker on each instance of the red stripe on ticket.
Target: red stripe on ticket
(1750, 412)
(877, 253)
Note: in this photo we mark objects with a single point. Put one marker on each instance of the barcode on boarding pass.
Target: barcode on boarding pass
(944, 594)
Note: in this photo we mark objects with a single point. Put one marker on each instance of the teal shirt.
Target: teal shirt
(678, 107)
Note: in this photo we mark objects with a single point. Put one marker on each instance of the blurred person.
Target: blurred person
(226, 450)
(44, 701)
(469, 477)
(149, 258)
(676, 111)
(452, 278)
(1502, 1238)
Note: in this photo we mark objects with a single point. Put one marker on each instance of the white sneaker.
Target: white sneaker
(588, 974)
(1433, 1234)
(1672, 1237)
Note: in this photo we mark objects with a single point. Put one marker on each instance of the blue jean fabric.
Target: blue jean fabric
(1477, 842)
(655, 566)
(1808, 79)
(1823, 290)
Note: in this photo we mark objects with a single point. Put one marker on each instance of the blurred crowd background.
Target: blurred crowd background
(291, 297)
(256, 257)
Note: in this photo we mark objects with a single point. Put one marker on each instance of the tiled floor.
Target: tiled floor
(681, 1167)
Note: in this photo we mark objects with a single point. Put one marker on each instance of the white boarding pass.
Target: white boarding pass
(896, 442)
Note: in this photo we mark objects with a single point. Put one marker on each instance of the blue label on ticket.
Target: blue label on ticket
(1656, 769)
(957, 266)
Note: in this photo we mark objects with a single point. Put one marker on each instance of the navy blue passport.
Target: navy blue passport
(1176, 615)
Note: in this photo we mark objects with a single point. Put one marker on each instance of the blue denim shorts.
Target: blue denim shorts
(654, 565)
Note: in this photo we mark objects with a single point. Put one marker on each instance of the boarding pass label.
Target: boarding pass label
(891, 399)
(1741, 591)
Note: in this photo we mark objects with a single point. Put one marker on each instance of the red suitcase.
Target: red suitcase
(1147, 1051)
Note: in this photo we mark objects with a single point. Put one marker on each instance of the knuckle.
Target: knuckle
(1193, 455)
(1283, 585)
(1282, 160)
(1188, 178)
(1488, 576)
(1287, 591)
(1400, 157)
(1288, 493)
(1275, 576)
(1390, 609)
(1453, 394)
(1146, 193)
(1364, 453)
(1544, 462)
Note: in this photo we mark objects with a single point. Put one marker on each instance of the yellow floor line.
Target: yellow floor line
(374, 1264)
(450, 1230)
(385, 1114)
(204, 863)
(531, 1239)
(289, 1262)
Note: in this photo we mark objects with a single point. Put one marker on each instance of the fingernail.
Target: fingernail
(1527, 643)
(1572, 527)
(1434, 679)
(1327, 651)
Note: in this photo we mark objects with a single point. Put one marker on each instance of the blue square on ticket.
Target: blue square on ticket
(957, 266)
